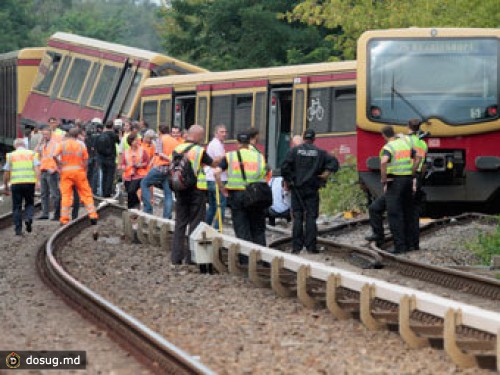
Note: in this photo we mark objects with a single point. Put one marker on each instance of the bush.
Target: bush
(343, 192)
(486, 245)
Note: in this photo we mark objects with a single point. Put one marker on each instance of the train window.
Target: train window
(221, 111)
(260, 115)
(89, 84)
(344, 110)
(318, 110)
(132, 94)
(60, 77)
(104, 87)
(242, 113)
(150, 113)
(165, 112)
(47, 71)
(202, 111)
(76, 77)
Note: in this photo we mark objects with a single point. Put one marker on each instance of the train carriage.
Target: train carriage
(448, 78)
(17, 72)
(84, 78)
(280, 102)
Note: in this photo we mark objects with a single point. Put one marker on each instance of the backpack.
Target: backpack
(104, 145)
(180, 173)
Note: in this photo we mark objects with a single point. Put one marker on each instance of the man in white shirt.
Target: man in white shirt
(281, 201)
(215, 149)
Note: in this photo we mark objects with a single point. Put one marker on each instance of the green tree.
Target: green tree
(232, 34)
(347, 20)
(16, 21)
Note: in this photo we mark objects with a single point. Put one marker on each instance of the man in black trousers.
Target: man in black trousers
(305, 170)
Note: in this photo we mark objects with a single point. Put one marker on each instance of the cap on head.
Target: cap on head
(243, 137)
(96, 120)
(309, 134)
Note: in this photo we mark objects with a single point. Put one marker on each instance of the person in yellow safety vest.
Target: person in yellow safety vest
(249, 223)
(22, 172)
(190, 205)
(72, 156)
(57, 132)
(420, 148)
(378, 206)
(398, 165)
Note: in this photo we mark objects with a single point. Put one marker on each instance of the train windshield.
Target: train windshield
(454, 80)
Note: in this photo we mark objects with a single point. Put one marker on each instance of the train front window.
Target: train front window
(454, 80)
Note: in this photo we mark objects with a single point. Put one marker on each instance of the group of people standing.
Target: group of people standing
(58, 164)
(402, 166)
(65, 166)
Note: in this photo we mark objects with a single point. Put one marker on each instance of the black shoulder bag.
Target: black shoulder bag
(258, 195)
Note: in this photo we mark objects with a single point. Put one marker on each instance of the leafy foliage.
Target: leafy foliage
(235, 34)
(343, 192)
(31, 22)
(347, 20)
(16, 21)
(486, 245)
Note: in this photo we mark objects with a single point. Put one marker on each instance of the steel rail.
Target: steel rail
(441, 275)
(151, 348)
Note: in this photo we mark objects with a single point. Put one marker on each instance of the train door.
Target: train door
(185, 111)
(280, 119)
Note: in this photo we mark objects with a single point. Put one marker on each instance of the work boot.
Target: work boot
(374, 238)
(43, 217)
(28, 225)
(95, 233)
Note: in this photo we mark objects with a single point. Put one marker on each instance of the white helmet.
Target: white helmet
(96, 120)
(118, 122)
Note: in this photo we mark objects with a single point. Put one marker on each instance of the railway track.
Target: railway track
(446, 276)
(468, 334)
(148, 347)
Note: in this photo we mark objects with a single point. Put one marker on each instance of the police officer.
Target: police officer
(249, 223)
(397, 170)
(305, 169)
(420, 148)
(22, 171)
(378, 206)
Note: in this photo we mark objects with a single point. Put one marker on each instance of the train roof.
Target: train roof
(60, 39)
(25, 53)
(429, 31)
(271, 73)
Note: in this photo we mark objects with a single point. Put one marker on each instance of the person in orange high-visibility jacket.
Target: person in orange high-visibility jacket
(134, 164)
(165, 145)
(71, 155)
(49, 180)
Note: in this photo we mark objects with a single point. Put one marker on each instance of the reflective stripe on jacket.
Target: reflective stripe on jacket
(22, 167)
(254, 165)
(132, 158)
(401, 162)
(47, 155)
(194, 155)
(73, 155)
(420, 148)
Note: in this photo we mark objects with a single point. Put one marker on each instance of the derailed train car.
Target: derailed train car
(18, 70)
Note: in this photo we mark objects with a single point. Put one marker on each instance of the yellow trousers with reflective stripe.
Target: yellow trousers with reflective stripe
(78, 179)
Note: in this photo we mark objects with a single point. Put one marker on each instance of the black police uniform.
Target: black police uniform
(301, 168)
